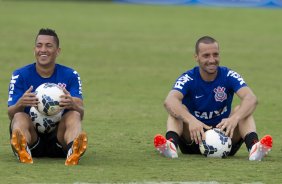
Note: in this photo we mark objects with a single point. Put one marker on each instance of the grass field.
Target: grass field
(128, 57)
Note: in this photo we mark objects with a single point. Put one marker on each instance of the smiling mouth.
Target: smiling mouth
(43, 56)
(212, 66)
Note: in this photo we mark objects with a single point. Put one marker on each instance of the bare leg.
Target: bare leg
(69, 128)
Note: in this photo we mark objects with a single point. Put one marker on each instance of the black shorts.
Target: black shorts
(193, 148)
(47, 145)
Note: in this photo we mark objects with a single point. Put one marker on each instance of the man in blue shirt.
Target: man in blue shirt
(201, 99)
(67, 140)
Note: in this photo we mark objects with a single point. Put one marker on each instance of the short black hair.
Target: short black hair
(204, 39)
(50, 32)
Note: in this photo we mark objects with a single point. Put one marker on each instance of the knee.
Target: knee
(174, 125)
(21, 119)
(71, 118)
(248, 119)
(20, 115)
(73, 115)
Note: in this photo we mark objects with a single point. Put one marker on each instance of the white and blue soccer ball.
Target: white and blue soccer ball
(42, 123)
(216, 145)
(48, 95)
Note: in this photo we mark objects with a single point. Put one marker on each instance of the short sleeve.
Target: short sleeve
(235, 80)
(75, 86)
(16, 88)
(183, 83)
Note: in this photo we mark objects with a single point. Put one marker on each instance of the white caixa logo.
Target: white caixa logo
(12, 86)
(211, 114)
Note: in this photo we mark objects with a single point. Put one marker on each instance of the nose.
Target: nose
(212, 59)
(43, 48)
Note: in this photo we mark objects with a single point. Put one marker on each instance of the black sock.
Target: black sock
(69, 145)
(250, 139)
(173, 137)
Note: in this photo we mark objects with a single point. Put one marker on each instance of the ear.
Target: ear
(196, 58)
(58, 51)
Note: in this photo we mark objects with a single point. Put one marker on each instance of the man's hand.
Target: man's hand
(66, 101)
(28, 99)
(196, 129)
(227, 125)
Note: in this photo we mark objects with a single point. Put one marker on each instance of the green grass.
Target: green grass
(128, 57)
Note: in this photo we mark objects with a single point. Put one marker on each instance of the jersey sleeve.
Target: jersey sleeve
(75, 86)
(16, 88)
(235, 80)
(183, 83)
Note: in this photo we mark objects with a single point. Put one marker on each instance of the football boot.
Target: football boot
(165, 147)
(20, 147)
(261, 148)
(78, 148)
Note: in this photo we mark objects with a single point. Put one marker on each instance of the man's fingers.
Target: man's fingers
(29, 89)
(227, 132)
(199, 137)
(207, 127)
(193, 136)
(223, 128)
(203, 135)
(231, 134)
(66, 91)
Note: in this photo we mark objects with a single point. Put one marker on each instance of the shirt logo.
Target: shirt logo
(182, 80)
(220, 94)
(12, 87)
(79, 82)
(200, 96)
(211, 114)
(62, 85)
(235, 75)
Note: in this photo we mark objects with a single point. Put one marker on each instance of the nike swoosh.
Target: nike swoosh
(172, 147)
(199, 96)
(254, 150)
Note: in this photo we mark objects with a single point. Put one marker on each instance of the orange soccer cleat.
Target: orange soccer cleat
(77, 150)
(20, 147)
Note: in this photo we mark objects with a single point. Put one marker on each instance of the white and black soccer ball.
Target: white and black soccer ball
(48, 95)
(216, 145)
(42, 123)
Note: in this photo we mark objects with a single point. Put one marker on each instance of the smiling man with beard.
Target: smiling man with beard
(201, 99)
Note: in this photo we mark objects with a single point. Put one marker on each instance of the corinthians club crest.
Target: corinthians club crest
(220, 94)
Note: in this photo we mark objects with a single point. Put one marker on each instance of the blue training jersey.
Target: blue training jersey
(27, 76)
(209, 102)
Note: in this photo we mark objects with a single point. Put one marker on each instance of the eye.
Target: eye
(38, 45)
(49, 45)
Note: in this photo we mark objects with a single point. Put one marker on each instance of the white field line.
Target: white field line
(169, 182)
(152, 182)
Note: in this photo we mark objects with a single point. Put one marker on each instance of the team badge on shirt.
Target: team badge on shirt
(220, 94)
(62, 85)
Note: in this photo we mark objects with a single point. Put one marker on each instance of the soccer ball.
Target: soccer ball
(42, 123)
(49, 97)
(217, 144)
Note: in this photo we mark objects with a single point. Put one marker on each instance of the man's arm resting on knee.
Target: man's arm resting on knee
(248, 103)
